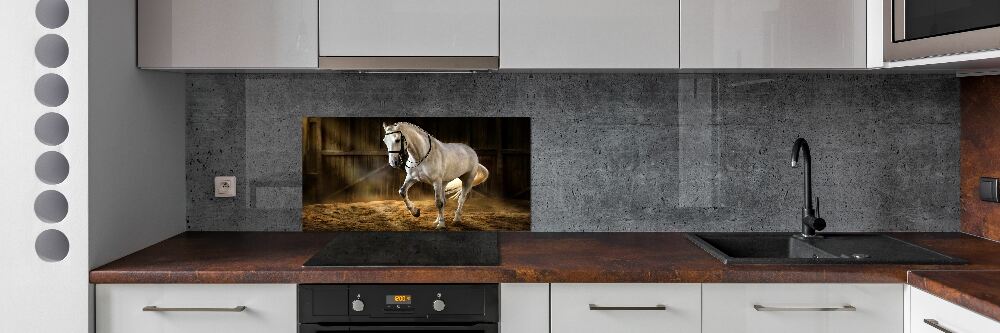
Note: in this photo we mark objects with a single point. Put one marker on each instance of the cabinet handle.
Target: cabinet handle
(935, 324)
(759, 307)
(154, 308)
(595, 307)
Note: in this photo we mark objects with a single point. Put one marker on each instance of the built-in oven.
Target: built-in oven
(916, 29)
(385, 308)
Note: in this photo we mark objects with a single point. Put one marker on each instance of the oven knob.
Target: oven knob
(358, 305)
(438, 305)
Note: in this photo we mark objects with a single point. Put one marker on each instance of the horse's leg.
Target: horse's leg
(404, 191)
(439, 202)
(466, 188)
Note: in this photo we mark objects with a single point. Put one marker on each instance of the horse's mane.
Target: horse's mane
(421, 130)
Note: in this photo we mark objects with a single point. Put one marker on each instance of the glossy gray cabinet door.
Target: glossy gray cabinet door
(409, 28)
(239, 34)
(589, 34)
(774, 34)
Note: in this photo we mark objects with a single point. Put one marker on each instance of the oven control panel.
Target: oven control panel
(399, 303)
(394, 303)
(420, 300)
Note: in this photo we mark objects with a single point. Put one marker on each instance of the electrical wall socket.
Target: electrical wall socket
(988, 189)
(225, 187)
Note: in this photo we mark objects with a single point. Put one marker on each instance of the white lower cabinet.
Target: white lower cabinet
(803, 308)
(569, 308)
(930, 314)
(626, 307)
(196, 308)
(524, 308)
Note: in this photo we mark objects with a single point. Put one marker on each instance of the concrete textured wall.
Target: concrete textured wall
(615, 152)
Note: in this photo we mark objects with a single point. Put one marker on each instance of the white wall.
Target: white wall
(137, 187)
(38, 295)
(124, 188)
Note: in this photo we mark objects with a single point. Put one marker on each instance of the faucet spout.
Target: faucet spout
(810, 222)
(802, 146)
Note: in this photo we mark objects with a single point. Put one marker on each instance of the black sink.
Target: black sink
(837, 248)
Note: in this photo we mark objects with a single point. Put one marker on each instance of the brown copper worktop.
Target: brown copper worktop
(276, 257)
(978, 291)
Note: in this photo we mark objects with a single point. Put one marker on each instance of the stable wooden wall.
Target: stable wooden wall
(344, 159)
(980, 151)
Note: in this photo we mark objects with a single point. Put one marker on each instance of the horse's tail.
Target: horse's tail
(454, 187)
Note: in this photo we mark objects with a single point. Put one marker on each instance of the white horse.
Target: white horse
(451, 168)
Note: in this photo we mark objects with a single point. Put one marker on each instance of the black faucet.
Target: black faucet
(810, 221)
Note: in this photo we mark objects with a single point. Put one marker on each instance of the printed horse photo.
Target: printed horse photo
(475, 171)
(451, 168)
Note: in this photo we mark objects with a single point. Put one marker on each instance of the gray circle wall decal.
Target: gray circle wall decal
(51, 90)
(52, 167)
(51, 129)
(52, 245)
(52, 13)
(51, 206)
(51, 51)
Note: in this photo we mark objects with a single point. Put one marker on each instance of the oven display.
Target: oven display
(398, 299)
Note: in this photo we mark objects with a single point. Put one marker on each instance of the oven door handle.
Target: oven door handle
(314, 328)
(485, 328)
(401, 327)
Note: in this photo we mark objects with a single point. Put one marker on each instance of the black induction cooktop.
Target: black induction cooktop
(409, 249)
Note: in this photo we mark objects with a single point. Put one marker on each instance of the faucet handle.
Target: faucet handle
(819, 223)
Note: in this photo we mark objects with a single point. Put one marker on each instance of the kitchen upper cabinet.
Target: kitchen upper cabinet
(930, 314)
(196, 308)
(804, 308)
(508, 34)
(192, 34)
(779, 34)
(407, 28)
(626, 307)
(589, 34)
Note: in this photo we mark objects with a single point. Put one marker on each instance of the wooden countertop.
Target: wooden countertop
(277, 257)
(978, 291)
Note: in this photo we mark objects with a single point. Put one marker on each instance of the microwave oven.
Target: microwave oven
(915, 29)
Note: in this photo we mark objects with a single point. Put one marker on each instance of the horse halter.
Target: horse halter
(403, 156)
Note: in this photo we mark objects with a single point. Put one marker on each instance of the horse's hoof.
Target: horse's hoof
(416, 212)
(439, 225)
